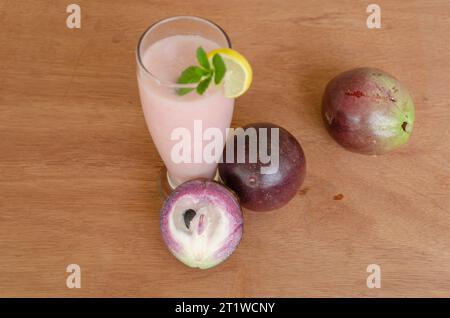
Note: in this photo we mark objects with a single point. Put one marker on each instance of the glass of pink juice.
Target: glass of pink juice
(164, 51)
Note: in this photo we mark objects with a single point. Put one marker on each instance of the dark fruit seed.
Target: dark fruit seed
(188, 216)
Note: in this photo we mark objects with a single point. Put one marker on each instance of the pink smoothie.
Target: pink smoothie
(165, 111)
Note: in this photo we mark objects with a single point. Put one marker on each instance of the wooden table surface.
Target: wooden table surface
(78, 169)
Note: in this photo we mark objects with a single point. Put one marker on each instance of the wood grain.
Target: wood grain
(78, 169)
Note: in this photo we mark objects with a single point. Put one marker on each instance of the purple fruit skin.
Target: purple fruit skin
(348, 106)
(217, 194)
(266, 192)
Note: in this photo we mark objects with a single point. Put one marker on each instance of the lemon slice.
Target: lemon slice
(239, 74)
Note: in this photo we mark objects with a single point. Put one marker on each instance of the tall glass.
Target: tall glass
(165, 49)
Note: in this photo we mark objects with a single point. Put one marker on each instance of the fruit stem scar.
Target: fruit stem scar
(404, 125)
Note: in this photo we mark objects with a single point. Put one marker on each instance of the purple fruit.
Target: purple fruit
(368, 111)
(263, 185)
(201, 223)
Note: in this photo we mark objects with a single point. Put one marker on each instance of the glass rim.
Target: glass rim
(165, 20)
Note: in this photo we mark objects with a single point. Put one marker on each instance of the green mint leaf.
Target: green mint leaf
(193, 74)
(202, 58)
(202, 74)
(219, 68)
(184, 90)
(201, 88)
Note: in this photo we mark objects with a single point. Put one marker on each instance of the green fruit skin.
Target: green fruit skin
(368, 111)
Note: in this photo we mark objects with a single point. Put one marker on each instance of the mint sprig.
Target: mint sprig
(202, 74)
